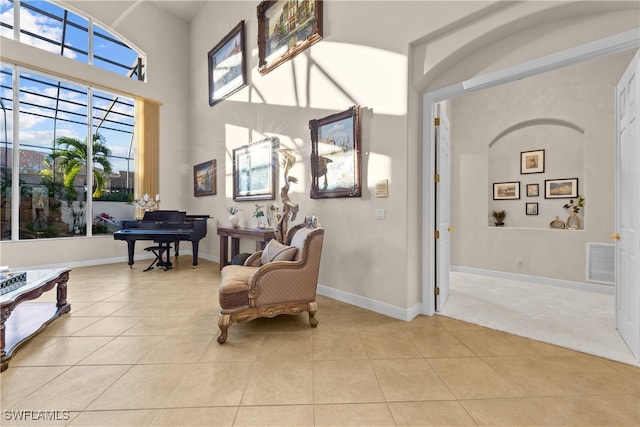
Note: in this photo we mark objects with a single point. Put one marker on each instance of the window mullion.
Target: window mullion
(16, 20)
(89, 205)
(15, 171)
(90, 35)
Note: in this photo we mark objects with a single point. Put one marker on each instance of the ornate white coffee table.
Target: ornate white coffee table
(22, 321)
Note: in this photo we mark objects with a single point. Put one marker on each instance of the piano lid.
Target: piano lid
(165, 216)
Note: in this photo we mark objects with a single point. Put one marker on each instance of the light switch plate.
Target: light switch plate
(380, 214)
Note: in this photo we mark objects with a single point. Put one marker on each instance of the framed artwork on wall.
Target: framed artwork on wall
(561, 188)
(531, 208)
(285, 29)
(255, 170)
(533, 190)
(227, 66)
(335, 155)
(204, 179)
(506, 190)
(532, 162)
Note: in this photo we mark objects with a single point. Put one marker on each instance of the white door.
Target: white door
(628, 207)
(443, 207)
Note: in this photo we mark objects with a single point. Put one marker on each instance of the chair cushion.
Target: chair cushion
(276, 251)
(234, 286)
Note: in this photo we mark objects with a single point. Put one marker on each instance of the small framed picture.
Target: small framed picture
(506, 190)
(533, 190)
(531, 208)
(204, 179)
(532, 162)
(561, 188)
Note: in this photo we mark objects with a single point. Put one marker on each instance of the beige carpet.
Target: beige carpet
(571, 318)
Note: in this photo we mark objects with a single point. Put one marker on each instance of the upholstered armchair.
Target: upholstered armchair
(281, 279)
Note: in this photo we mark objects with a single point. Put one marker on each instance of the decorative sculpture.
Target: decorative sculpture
(289, 209)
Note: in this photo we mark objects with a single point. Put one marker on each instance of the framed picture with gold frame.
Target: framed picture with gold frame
(204, 179)
(285, 29)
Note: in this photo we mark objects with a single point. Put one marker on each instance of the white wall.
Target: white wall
(581, 95)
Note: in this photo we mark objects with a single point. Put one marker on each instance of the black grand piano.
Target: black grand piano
(164, 227)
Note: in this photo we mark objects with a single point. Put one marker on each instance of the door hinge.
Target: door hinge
(436, 121)
(436, 234)
(436, 178)
(437, 291)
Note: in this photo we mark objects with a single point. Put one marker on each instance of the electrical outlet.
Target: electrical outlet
(380, 214)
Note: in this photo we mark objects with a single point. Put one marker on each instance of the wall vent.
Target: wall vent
(601, 263)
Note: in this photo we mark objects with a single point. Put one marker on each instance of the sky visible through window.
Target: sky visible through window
(51, 108)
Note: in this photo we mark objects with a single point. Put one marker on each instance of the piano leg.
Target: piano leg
(194, 246)
(131, 247)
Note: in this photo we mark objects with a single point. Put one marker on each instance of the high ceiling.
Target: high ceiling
(183, 9)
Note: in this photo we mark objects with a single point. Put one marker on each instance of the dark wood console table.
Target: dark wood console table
(28, 319)
(261, 236)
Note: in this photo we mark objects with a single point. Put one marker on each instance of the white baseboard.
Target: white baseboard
(370, 304)
(604, 289)
(114, 260)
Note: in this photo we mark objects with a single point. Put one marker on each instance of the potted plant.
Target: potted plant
(499, 217)
(574, 206)
(234, 218)
(258, 214)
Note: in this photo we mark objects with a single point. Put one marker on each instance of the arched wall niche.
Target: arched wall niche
(559, 144)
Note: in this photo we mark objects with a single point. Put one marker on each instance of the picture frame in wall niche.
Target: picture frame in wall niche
(531, 208)
(533, 190)
(506, 190)
(335, 155)
(204, 179)
(227, 66)
(285, 29)
(532, 162)
(255, 170)
(565, 188)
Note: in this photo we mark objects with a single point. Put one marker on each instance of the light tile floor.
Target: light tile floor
(139, 349)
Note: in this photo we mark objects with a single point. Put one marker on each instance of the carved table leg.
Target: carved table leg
(61, 294)
(4, 361)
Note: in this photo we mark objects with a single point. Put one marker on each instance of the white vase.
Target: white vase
(234, 220)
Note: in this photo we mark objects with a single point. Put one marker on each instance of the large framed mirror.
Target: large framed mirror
(255, 170)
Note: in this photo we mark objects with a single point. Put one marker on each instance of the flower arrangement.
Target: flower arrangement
(232, 210)
(147, 203)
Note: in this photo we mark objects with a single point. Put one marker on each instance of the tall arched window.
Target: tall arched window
(61, 31)
(67, 157)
